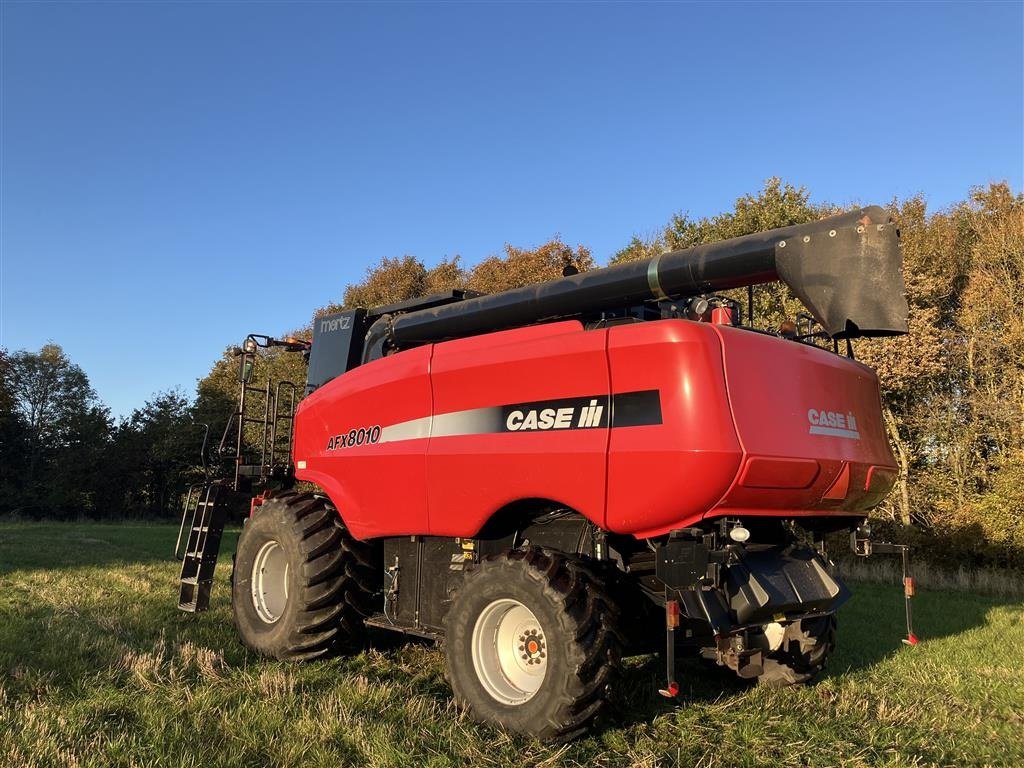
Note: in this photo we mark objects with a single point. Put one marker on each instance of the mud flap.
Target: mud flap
(706, 605)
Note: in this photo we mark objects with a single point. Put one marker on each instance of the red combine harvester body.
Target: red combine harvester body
(550, 478)
(642, 429)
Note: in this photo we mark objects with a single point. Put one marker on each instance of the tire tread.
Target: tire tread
(337, 583)
(588, 617)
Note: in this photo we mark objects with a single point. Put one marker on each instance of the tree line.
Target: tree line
(65, 457)
(953, 390)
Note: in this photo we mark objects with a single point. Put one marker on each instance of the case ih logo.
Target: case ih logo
(589, 415)
(833, 424)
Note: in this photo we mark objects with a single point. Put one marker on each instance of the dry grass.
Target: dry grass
(99, 669)
(983, 581)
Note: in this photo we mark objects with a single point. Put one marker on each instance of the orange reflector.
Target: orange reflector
(908, 586)
(672, 614)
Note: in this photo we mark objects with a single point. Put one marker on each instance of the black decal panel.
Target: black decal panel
(636, 409)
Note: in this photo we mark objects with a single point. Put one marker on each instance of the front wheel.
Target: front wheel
(302, 585)
(532, 643)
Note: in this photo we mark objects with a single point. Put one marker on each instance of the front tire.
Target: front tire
(302, 585)
(532, 644)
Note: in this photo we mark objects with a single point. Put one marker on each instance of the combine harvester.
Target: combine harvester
(548, 478)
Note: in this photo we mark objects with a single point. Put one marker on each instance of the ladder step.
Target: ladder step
(194, 595)
(197, 556)
(195, 581)
(379, 621)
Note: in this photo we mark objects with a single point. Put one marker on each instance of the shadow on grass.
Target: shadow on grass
(47, 546)
(871, 629)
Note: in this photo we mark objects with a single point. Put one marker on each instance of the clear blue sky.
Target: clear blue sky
(177, 175)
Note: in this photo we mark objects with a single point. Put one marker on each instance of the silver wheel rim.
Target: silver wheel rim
(510, 653)
(270, 582)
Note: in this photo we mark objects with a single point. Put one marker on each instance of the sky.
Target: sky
(175, 176)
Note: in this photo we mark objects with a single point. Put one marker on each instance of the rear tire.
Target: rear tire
(302, 585)
(531, 644)
(805, 648)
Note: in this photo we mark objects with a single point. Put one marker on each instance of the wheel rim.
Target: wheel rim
(510, 653)
(270, 582)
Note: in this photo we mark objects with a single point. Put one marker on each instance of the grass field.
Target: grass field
(100, 669)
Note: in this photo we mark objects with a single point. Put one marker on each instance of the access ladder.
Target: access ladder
(205, 512)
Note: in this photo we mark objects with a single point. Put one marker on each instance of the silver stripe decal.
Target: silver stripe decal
(477, 421)
(652, 278)
(833, 432)
(406, 430)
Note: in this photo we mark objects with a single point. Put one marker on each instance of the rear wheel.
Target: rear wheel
(801, 657)
(301, 585)
(532, 644)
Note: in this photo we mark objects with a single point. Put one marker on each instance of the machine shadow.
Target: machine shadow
(638, 700)
(90, 545)
(871, 629)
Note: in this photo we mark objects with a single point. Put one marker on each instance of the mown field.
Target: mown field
(100, 669)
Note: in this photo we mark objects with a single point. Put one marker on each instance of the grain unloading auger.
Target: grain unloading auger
(554, 476)
(844, 269)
